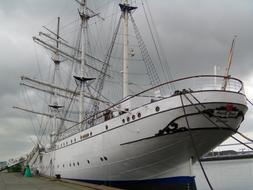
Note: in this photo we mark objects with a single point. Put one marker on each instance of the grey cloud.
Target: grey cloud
(200, 33)
(195, 36)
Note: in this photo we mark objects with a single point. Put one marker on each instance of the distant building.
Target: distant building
(3, 164)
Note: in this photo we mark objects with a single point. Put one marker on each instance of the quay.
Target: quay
(15, 181)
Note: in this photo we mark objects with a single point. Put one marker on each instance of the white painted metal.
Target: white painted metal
(190, 167)
(132, 144)
(153, 157)
(125, 52)
(83, 61)
(215, 73)
(54, 100)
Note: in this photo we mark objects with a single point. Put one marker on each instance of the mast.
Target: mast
(125, 54)
(83, 61)
(82, 79)
(230, 57)
(54, 106)
(126, 10)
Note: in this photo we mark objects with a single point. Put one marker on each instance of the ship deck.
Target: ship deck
(14, 181)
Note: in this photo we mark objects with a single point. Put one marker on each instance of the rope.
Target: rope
(193, 144)
(168, 71)
(235, 131)
(249, 139)
(249, 101)
(153, 39)
(242, 142)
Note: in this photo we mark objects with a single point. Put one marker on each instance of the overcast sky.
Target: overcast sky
(195, 36)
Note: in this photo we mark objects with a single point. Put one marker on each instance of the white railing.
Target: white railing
(192, 83)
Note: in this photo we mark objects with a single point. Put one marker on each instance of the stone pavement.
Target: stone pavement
(15, 181)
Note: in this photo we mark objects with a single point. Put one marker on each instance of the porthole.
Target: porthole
(106, 127)
(88, 161)
(101, 159)
(90, 133)
(75, 139)
(70, 165)
(128, 119)
(78, 163)
(71, 141)
(133, 117)
(63, 165)
(157, 108)
(123, 121)
(139, 114)
(105, 158)
(66, 143)
(74, 164)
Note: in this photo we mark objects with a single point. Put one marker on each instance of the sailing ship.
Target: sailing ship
(142, 140)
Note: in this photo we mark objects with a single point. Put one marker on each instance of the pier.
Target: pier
(14, 181)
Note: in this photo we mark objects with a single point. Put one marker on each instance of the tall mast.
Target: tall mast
(83, 61)
(82, 78)
(126, 10)
(125, 51)
(54, 102)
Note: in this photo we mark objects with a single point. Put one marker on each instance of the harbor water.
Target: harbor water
(225, 174)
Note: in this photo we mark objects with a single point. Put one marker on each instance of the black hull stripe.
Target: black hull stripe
(145, 118)
(186, 130)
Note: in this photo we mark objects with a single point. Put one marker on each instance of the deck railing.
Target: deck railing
(199, 83)
(193, 83)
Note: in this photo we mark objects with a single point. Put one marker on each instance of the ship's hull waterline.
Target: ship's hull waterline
(154, 144)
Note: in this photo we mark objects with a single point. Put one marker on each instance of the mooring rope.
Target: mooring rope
(235, 131)
(194, 145)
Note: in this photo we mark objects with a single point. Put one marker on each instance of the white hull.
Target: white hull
(134, 151)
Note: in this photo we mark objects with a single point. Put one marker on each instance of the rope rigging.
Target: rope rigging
(101, 78)
(184, 92)
(194, 144)
(249, 101)
(218, 119)
(164, 67)
(151, 70)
